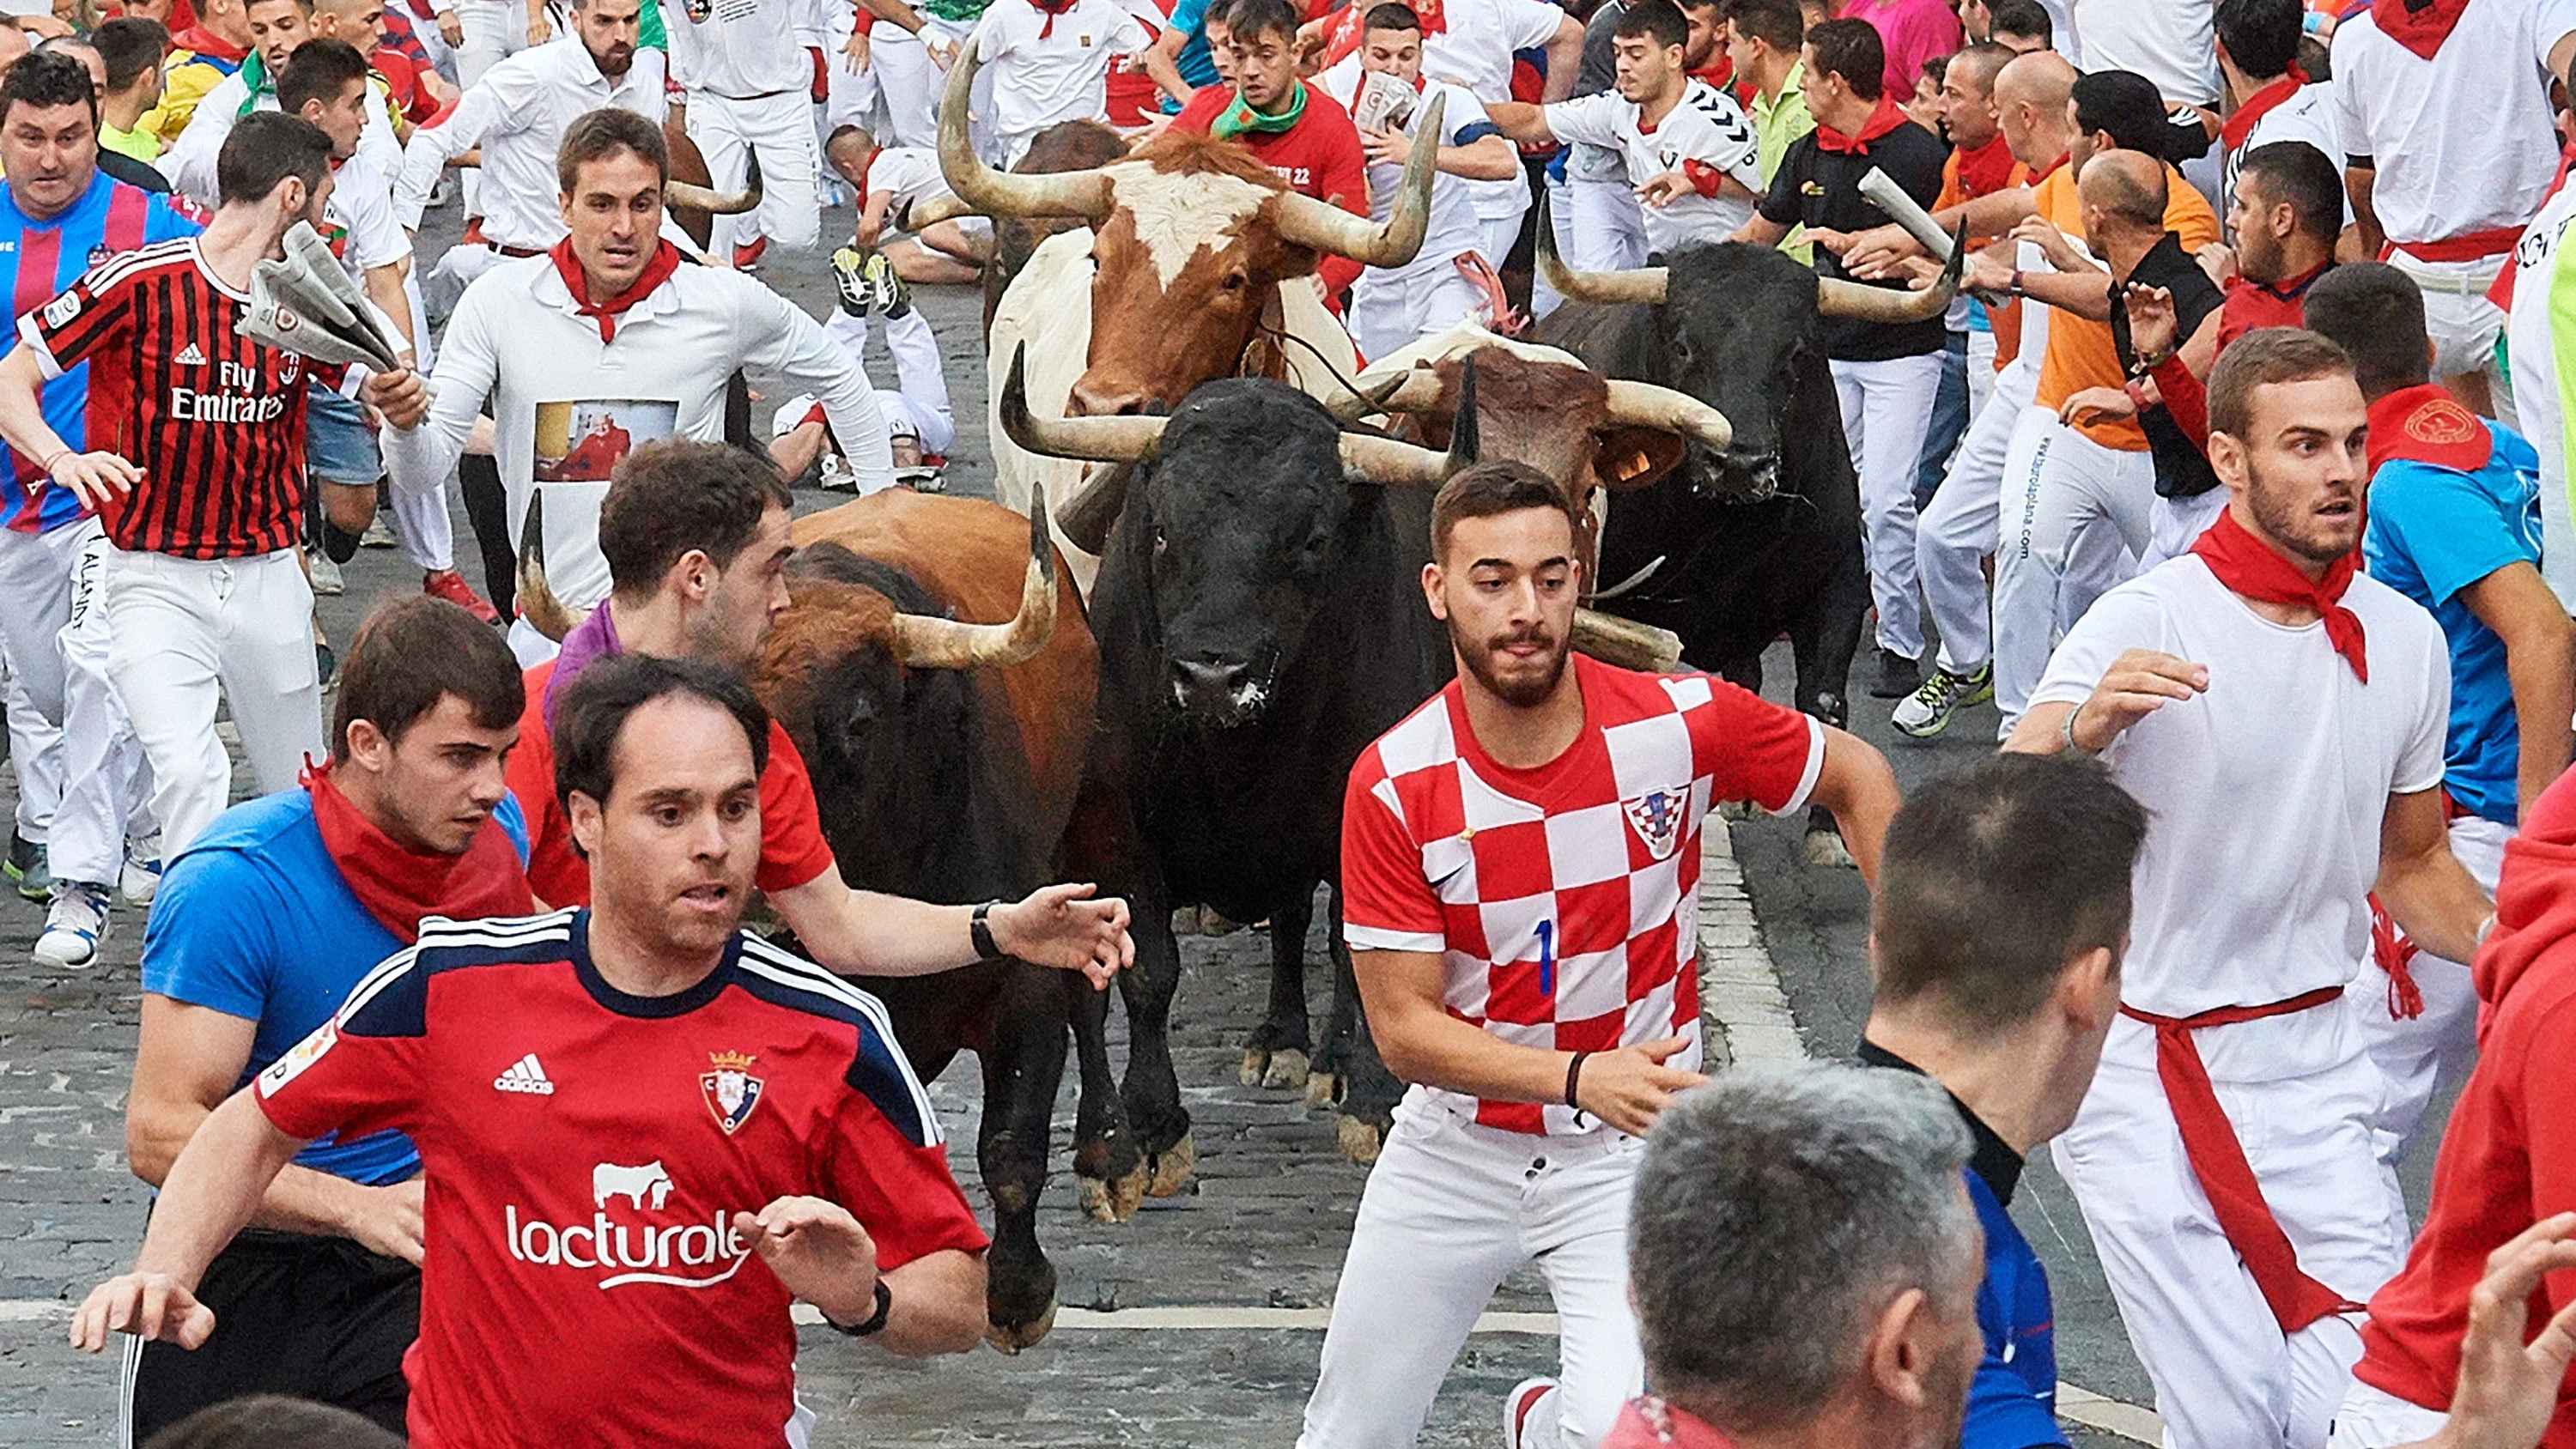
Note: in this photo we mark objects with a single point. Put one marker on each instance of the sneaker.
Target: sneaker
(1898, 676)
(833, 475)
(747, 255)
(856, 291)
(324, 574)
(1519, 1404)
(893, 296)
(450, 585)
(26, 866)
(1927, 711)
(379, 534)
(77, 918)
(141, 878)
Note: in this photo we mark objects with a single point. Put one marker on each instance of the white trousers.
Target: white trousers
(2423, 1055)
(1606, 228)
(1964, 521)
(919, 403)
(184, 633)
(1982, 373)
(780, 128)
(1395, 309)
(2373, 1418)
(2225, 1375)
(35, 755)
(494, 30)
(35, 599)
(107, 791)
(908, 82)
(2461, 322)
(2175, 524)
(1887, 410)
(1450, 1210)
(2075, 515)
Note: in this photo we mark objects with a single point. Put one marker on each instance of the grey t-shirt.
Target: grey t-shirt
(1596, 163)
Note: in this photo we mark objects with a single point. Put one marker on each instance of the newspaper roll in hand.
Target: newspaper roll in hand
(305, 303)
(1880, 190)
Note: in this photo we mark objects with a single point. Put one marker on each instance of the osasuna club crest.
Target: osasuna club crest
(730, 1089)
(1656, 816)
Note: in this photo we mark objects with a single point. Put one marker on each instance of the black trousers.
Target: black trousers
(317, 1318)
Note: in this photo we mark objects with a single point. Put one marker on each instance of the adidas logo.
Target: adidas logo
(524, 1075)
(189, 356)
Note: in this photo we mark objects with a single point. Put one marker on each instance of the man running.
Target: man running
(2280, 716)
(1520, 860)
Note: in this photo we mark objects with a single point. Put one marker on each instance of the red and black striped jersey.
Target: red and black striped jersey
(214, 420)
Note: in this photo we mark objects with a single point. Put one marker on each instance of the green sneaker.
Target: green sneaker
(1927, 711)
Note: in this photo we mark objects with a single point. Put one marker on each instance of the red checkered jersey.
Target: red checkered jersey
(1564, 899)
(583, 1153)
(214, 420)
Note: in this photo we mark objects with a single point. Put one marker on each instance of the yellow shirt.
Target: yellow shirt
(2080, 353)
(138, 143)
(185, 79)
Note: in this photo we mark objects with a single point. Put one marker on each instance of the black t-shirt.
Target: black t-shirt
(2182, 470)
(1820, 188)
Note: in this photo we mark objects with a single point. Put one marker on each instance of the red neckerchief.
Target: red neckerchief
(1651, 1423)
(201, 41)
(666, 260)
(1987, 169)
(2248, 566)
(1348, 30)
(1051, 9)
(1881, 121)
(2419, 25)
(1719, 76)
(2425, 424)
(2232, 134)
(399, 885)
(2045, 172)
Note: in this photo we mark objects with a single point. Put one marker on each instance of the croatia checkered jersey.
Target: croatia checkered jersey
(1563, 899)
(583, 1154)
(40, 260)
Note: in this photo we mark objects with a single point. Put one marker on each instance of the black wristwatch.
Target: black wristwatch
(979, 931)
(876, 1321)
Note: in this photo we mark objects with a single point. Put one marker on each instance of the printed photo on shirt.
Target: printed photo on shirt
(582, 442)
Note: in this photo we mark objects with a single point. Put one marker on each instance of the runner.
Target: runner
(640, 1084)
(1519, 868)
(749, 80)
(2280, 716)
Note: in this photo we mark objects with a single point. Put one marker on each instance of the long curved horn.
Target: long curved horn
(1862, 303)
(1636, 284)
(688, 197)
(1006, 193)
(1095, 440)
(1328, 228)
(537, 602)
(914, 218)
(1414, 390)
(923, 642)
(1396, 465)
(1643, 404)
(1625, 642)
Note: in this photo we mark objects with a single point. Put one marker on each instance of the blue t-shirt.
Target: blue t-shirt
(2012, 1402)
(254, 920)
(1196, 65)
(2434, 531)
(39, 260)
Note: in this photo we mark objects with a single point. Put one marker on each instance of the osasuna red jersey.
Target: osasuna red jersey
(214, 420)
(584, 1152)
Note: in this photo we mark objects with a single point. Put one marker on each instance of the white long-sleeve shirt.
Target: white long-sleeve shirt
(519, 339)
(743, 48)
(190, 162)
(518, 113)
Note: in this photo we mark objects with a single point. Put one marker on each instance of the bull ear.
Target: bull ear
(1629, 458)
(1093, 510)
(1464, 443)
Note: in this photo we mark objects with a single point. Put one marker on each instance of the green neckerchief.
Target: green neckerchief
(1240, 117)
(254, 74)
(958, 12)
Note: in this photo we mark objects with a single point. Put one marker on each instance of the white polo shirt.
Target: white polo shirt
(2309, 116)
(518, 113)
(1474, 52)
(2265, 796)
(744, 48)
(1455, 227)
(1038, 82)
(1706, 126)
(908, 175)
(2463, 142)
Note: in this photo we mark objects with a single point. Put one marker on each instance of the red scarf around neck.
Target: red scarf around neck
(2232, 134)
(2419, 25)
(666, 260)
(1051, 9)
(1881, 121)
(399, 885)
(2425, 424)
(2250, 567)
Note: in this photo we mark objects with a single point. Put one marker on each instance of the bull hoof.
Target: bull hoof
(1734, 810)
(1173, 1167)
(1256, 1065)
(1112, 1200)
(1826, 848)
(1360, 1139)
(1011, 1338)
(1324, 1089)
(1288, 1069)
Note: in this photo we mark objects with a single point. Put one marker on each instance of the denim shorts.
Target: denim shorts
(339, 447)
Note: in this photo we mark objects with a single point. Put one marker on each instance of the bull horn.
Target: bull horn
(927, 214)
(1390, 463)
(1642, 404)
(1328, 228)
(1414, 390)
(1096, 440)
(1625, 642)
(688, 196)
(1465, 435)
(1006, 193)
(1862, 303)
(1609, 289)
(538, 605)
(924, 642)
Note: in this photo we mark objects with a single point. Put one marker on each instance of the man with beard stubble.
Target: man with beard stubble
(1520, 860)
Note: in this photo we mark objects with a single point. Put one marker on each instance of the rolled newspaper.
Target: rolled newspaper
(1881, 191)
(305, 302)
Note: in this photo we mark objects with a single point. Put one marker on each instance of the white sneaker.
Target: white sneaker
(141, 876)
(73, 925)
(324, 574)
(1521, 1404)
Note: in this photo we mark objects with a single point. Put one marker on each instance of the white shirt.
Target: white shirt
(910, 175)
(2463, 142)
(2308, 115)
(2264, 794)
(2170, 42)
(2533, 345)
(361, 204)
(744, 48)
(1475, 53)
(1064, 77)
(518, 339)
(518, 113)
(1455, 227)
(1706, 126)
(189, 164)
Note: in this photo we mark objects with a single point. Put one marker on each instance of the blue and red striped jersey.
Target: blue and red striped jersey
(39, 260)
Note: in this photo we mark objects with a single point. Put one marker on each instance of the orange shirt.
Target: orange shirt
(2080, 354)
(2006, 317)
